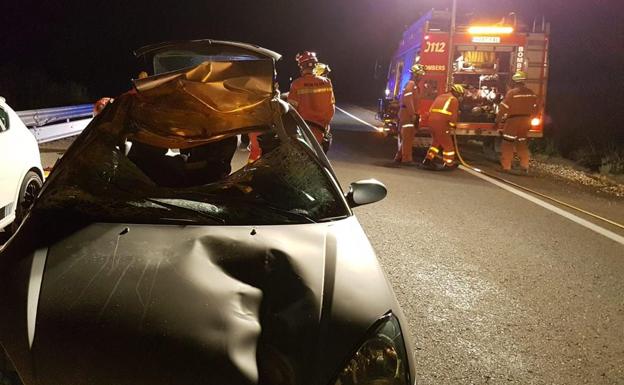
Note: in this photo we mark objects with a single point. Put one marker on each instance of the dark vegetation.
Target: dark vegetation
(585, 122)
(28, 88)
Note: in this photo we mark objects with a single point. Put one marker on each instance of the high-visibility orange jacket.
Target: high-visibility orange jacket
(518, 107)
(409, 103)
(313, 97)
(444, 110)
(520, 102)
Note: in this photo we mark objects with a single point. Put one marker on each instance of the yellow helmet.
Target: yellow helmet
(457, 89)
(418, 69)
(519, 76)
(321, 69)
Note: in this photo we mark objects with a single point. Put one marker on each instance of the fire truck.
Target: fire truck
(484, 56)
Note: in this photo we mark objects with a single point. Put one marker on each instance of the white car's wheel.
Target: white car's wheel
(28, 193)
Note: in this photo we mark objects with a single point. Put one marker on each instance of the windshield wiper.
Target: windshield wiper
(288, 213)
(202, 214)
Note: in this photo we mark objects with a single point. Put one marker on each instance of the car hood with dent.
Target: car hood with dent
(161, 304)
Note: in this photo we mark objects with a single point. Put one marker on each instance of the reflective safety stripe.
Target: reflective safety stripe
(521, 139)
(448, 153)
(313, 90)
(407, 125)
(447, 104)
(525, 96)
(444, 109)
(448, 160)
(407, 93)
(452, 124)
(434, 149)
(510, 138)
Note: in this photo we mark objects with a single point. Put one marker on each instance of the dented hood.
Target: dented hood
(158, 304)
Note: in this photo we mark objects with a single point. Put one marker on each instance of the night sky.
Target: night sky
(91, 42)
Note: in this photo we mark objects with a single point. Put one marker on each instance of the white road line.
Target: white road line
(356, 118)
(34, 288)
(600, 230)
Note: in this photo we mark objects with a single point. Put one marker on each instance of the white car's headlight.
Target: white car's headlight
(381, 360)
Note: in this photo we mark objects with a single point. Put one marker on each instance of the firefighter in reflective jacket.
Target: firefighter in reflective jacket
(408, 115)
(312, 96)
(442, 120)
(515, 114)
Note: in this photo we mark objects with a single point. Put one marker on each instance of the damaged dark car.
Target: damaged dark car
(156, 254)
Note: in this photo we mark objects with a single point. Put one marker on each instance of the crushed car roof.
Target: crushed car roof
(228, 89)
(233, 49)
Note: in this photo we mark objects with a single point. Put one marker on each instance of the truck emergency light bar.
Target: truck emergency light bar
(490, 30)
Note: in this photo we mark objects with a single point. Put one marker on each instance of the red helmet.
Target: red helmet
(306, 59)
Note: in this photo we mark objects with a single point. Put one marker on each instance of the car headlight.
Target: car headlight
(380, 360)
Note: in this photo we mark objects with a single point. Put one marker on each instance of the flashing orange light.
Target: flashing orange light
(490, 30)
(536, 122)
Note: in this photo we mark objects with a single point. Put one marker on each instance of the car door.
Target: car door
(9, 163)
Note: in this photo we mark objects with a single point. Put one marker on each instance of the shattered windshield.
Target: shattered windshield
(112, 176)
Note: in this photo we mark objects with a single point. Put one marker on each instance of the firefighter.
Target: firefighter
(515, 114)
(312, 96)
(442, 120)
(408, 116)
(254, 147)
(100, 104)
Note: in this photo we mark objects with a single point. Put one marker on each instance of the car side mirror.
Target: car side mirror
(366, 191)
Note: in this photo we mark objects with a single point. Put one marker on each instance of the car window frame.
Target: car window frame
(314, 149)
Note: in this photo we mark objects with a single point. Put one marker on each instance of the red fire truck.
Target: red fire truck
(484, 57)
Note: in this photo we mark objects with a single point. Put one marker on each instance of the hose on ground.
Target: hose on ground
(539, 194)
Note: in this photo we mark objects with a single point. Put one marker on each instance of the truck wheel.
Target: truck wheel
(28, 193)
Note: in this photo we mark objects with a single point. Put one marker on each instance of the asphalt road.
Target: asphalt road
(498, 290)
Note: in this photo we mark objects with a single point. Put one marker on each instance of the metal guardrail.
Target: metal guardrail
(49, 124)
(59, 131)
(45, 116)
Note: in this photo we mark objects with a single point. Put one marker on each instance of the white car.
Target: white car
(21, 173)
